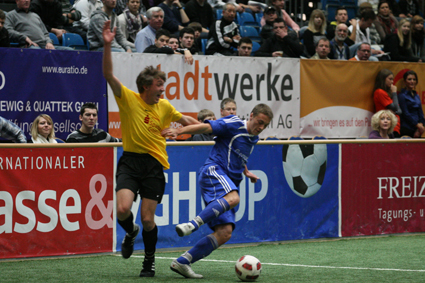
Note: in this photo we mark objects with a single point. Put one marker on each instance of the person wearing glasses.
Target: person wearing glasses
(363, 53)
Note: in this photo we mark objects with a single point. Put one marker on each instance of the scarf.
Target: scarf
(388, 24)
(134, 24)
(41, 139)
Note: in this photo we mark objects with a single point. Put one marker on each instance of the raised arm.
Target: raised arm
(113, 81)
(200, 128)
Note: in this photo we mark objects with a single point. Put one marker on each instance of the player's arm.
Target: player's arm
(250, 175)
(201, 128)
(113, 81)
(188, 120)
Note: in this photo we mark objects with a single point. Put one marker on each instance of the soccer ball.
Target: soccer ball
(304, 166)
(248, 268)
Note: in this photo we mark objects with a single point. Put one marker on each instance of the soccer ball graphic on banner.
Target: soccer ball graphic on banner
(248, 268)
(304, 166)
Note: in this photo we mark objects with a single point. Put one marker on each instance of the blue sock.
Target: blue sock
(210, 212)
(203, 248)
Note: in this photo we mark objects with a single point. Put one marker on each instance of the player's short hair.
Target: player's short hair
(368, 14)
(204, 113)
(34, 126)
(225, 101)
(339, 9)
(279, 20)
(195, 26)
(162, 32)
(263, 109)
(377, 117)
(153, 10)
(186, 30)
(88, 105)
(322, 39)
(146, 77)
(226, 6)
(246, 40)
(2, 15)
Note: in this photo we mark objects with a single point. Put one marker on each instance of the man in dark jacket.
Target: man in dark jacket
(4, 35)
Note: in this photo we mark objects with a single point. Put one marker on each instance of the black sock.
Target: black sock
(127, 224)
(149, 239)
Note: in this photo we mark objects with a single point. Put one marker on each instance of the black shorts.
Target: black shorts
(142, 174)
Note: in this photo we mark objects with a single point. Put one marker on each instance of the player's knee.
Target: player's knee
(122, 211)
(148, 224)
(232, 199)
(223, 236)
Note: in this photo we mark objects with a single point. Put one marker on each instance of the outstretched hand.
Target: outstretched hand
(169, 133)
(108, 35)
(251, 176)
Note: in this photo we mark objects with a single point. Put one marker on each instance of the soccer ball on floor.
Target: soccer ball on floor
(248, 268)
(304, 166)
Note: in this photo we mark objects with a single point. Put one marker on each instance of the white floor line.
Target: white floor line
(302, 265)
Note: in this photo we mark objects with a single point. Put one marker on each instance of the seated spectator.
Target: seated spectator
(322, 49)
(123, 4)
(162, 37)
(97, 21)
(316, 30)
(42, 130)
(50, 12)
(27, 29)
(200, 11)
(69, 16)
(86, 8)
(146, 37)
(341, 17)
(385, 23)
(269, 17)
(364, 50)
(339, 49)
(10, 131)
(383, 123)
(87, 132)
(204, 114)
(131, 21)
(173, 42)
(175, 17)
(408, 8)
(227, 107)
(281, 44)
(360, 30)
(412, 118)
(385, 96)
(418, 36)
(187, 40)
(279, 5)
(224, 34)
(4, 35)
(197, 29)
(244, 47)
(399, 44)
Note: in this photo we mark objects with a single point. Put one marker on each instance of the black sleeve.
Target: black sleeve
(266, 49)
(162, 50)
(308, 38)
(295, 47)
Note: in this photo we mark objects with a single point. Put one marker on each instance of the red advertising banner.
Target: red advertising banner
(55, 201)
(382, 188)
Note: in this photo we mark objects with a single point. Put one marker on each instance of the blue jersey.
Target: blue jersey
(233, 145)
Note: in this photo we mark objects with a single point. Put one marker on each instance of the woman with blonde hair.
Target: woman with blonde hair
(315, 31)
(383, 124)
(399, 44)
(42, 130)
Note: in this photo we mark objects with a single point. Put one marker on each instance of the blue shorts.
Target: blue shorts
(215, 184)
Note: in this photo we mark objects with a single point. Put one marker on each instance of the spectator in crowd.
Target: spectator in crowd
(204, 114)
(399, 44)
(146, 37)
(4, 35)
(385, 96)
(200, 11)
(69, 16)
(244, 47)
(364, 50)
(42, 130)
(412, 117)
(97, 21)
(123, 4)
(197, 28)
(173, 42)
(269, 17)
(316, 30)
(175, 17)
(339, 49)
(151, 3)
(131, 21)
(50, 12)
(88, 132)
(10, 131)
(322, 49)
(385, 23)
(279, 5)
(359, 29)
(341, 17)
(27, 29)
(383, 124)
(227, 107)
(187, 40)
(281, 44)
(408, 8)
(418, 36)
(224, 34)
(162, 38)
(86, 8)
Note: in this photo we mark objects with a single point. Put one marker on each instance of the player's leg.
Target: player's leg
(150, 236)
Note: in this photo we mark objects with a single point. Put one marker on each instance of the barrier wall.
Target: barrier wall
(59, 200)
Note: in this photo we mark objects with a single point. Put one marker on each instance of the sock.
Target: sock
(127, 224)
(203, 248)
(149, 239)
(211, 211)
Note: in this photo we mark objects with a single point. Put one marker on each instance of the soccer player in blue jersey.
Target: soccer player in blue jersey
(219, 180)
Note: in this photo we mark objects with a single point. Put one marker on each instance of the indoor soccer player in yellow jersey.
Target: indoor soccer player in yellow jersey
(140, 170)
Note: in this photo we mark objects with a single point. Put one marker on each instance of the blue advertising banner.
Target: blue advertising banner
(296, 197)
(52, 82)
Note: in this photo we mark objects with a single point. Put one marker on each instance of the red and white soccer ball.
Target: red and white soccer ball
(248, 268)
